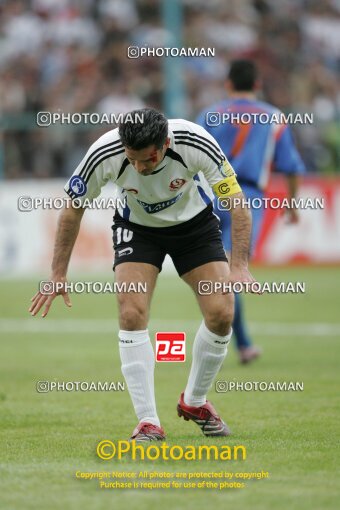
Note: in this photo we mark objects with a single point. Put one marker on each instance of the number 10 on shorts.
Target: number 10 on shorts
(170, 346)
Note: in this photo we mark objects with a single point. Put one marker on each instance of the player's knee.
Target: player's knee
(219, 320)
(133, 317)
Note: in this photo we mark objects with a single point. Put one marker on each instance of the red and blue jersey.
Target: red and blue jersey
(254, 147)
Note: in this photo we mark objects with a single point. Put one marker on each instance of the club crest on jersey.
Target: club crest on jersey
(159, 206)
(176, 184)
(78, 185)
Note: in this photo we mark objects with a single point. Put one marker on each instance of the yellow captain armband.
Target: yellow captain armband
(227, 187)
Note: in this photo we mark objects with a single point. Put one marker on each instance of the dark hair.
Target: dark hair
(243, 74)
(142, 128)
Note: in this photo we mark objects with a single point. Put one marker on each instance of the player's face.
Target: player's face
(146, 160)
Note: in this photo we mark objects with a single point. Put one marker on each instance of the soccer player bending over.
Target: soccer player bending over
(155, 165)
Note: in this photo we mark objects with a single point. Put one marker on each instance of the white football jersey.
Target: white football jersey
(174, 193)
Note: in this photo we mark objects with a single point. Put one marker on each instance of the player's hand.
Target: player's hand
(45, 296)
(292, 216)
(243, 275)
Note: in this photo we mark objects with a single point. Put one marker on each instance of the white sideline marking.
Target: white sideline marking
(93, 326)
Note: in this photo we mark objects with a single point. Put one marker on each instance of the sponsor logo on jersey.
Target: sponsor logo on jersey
(159, 206)
(176, 184)
(78, 186)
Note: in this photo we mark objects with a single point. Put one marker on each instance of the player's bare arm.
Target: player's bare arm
(229, 192)
(293, 184)
(67, 232)
(240, 233)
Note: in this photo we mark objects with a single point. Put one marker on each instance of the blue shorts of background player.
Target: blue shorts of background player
(243, 341)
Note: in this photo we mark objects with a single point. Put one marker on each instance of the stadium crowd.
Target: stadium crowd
(71, 56)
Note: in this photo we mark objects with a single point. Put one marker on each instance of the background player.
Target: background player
(253, 149)
(168, 209)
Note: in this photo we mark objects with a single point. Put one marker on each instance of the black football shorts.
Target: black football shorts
(190, 244)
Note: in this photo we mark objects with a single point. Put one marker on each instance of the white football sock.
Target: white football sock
(138, 364)
(208, 353)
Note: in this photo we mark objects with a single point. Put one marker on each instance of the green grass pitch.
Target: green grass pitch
(46, 438)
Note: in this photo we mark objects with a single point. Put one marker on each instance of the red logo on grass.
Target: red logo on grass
(170, 346)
